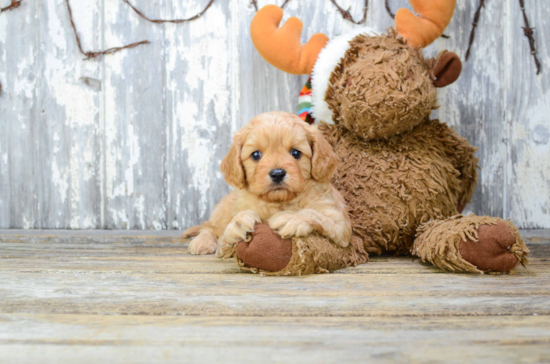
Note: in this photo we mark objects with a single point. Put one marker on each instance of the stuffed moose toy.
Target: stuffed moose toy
(405, 177)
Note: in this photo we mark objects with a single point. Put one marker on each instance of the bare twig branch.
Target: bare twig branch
(14, 4)
(528, 31)
(392, 14)
(176, 21)
(388, 9)
(284, 4)
(346, 15)
(255, 4)
(474, 25)
(98, 53)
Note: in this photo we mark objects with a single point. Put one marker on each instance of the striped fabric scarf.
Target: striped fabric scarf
(305, 104)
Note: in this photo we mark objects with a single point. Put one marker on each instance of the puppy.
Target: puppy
(280, 167)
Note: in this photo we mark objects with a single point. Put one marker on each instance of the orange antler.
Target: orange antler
(282, 46)
(433, 17)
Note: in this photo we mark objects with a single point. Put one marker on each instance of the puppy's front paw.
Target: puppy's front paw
(204, 243)
(289, 225)
(242, 224)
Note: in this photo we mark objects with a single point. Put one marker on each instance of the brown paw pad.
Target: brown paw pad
(491, 251)
(266, 250)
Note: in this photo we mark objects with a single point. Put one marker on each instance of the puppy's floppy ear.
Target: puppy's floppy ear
(231, 166)
(323, 160)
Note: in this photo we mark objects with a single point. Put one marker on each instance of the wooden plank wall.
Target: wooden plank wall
(134, 140)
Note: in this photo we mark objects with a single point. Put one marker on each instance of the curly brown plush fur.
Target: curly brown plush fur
(393, 185)
(456, 243)
(403, 175)
(382, 87)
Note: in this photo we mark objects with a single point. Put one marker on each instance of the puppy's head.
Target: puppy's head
(276, 154)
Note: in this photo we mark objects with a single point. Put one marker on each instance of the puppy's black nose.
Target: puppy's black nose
(277, 175)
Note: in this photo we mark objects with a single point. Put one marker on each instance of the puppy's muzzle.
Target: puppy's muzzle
(277, 175)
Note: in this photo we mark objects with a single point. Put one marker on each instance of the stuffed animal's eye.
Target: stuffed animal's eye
(296, 153)
(256, 155)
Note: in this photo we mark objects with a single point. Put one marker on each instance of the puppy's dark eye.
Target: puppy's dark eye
(256, 155)
(296, 153)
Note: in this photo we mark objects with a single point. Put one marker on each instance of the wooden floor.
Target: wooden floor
(138, 297)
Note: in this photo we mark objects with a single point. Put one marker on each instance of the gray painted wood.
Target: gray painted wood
(30, 338)
(134, 140)
(139, 297)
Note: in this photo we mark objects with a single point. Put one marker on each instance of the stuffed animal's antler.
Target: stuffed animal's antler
(433, 17)
(282, 46)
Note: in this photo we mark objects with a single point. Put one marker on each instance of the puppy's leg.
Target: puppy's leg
(242, 224)
(330, 223)
(192, 231)
(207, 233)
(204, 243)
(292, 224)
(236, 231)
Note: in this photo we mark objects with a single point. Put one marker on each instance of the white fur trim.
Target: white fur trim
(327, 61)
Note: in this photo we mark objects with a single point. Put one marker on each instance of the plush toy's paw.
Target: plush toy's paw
(204, 243)
(492, 250)
(266, 250)
(288, 225)
(242, 224)
(474, 244)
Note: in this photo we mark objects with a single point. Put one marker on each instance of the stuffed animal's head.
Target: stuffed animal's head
(376, 85)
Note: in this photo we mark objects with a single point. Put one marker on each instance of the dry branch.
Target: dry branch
(528, 31)
(284, 4)
(346, 15)
(14, 4)
(91, 54)
(474, 25)
(392, 14)
(254, 3)
(388, 9)
(176, 21)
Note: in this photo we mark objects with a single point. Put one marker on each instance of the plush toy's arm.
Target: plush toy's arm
(462, 156)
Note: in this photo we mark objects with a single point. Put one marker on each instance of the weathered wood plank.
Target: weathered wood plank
(200, 107)
(527, 116)
(134, 120)
(89, 297)
(18, 114)
(141, 339)
(475, 105)
(176, 261)
(134, 140)
(156, 276)
(134, 251)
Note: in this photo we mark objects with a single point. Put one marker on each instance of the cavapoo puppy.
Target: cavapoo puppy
(280, 167)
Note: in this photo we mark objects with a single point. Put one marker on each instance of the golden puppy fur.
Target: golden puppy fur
(303, 202)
